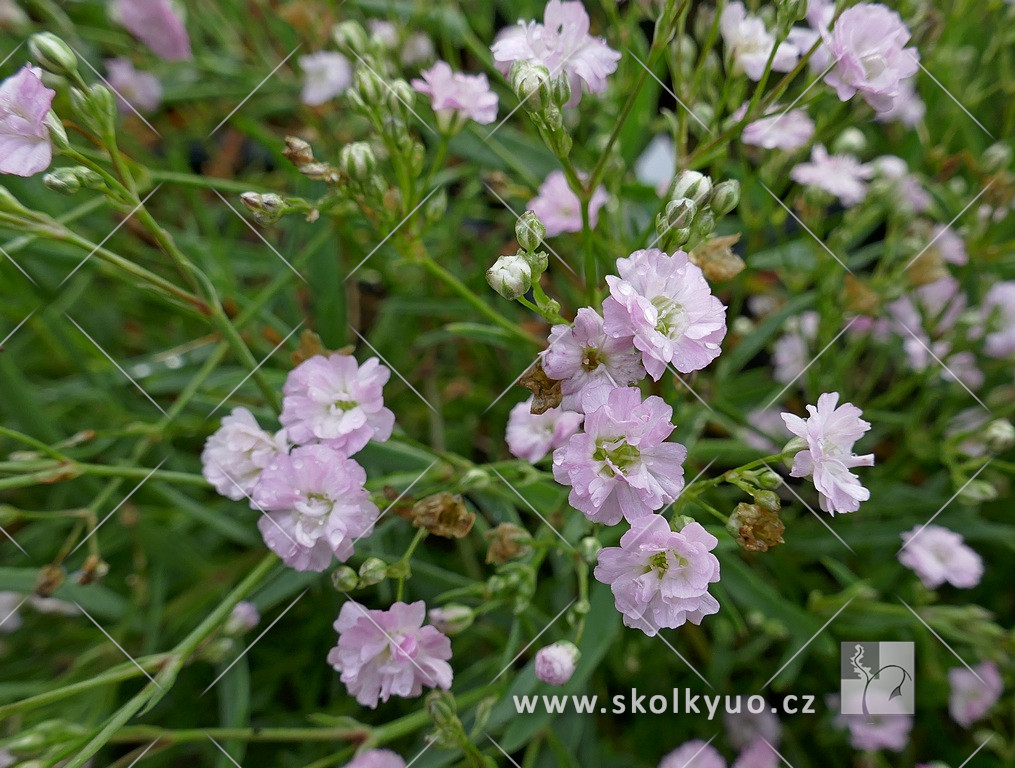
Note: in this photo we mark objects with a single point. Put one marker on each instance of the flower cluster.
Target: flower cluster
(310, 491)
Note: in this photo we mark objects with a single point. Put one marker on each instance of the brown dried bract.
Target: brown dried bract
(507, 542)
(755, 528)
(312, 346)
(545, 391)
(443, 514)
(717, 260)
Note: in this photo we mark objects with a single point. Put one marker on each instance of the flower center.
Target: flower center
(671, 317)
(660, 562)
(617, 456)
(591, 359)
(342, 406)
(874, 65)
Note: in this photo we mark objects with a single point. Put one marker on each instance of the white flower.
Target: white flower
(326, 74)
(750, 43)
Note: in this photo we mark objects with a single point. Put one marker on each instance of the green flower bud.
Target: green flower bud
(538, 262)
(768, 500)
(976, 492)
(693, 185)
(850, 142)
(589, 548)
(358, 161)
(62, 180)
(999, 435)
(369, 86)
(372, 571)
(679, 214)
(996, 158)
(452, 618)
(560, 90)
(769, 479)
(553, 117)
(56, 131)
(436, 206)
(791, 449)
(267, 208)
(510, 276)
(53, 54)
(529, 231)
(401, 97)
(350, 37)
(703, 224)
(531, 83)
(344, 578)
(725, 197)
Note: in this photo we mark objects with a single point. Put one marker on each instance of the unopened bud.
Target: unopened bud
(344, 578)
(531, 83)
(703, 224)
(243, 618)
(977, 491)
(589, 548)
(680, 213)
(510, 276)
(555, 664)
(369, 86)
(358, 161)
(62, 181)
(996, 158)
(436, 206)
(769, 479)
(96, 106)
(400, 97)
(452, 618)
(267, 208)
(529, 231)
(725, 197)
(768, 500)
(850, 142)
(554, 117)
(560, 90)
(999, 436)
(372, 571)
(350, 37)
(693, 185)
(53, 54)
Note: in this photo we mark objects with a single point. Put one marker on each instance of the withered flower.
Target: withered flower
(717, 260)
(444, 514)
(755, 528)
(507, 542)
(546, 392)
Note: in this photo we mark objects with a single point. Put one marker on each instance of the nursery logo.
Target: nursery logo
(877, 679)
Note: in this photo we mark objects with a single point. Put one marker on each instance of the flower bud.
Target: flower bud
(267, 208)
(510, 276)
(400, 97)
(999, 436)
(531, 83)
(350, 37)
(694, 185)
(768, 500)
(554, 117)
(850, 142)
(680, 213)
(791, 449)
(436, 206)
(62, 180)
(555, 663)
(56, 131)
(344, 578)
(369, 86)
(996, 158)
(452, 618)
(589, 548)
(769, 479)
(977, 491)
(243, 618)
(538, 262)
(560, 90)
(372, 571)
(358, 161)
(725, 197)
(788, 12)
(703, 224)
(53, 54)
(529, 231)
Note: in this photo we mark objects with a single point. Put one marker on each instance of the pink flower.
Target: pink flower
(560, 210)
(319, 507)
(25, 146)
(660, 577)
(791, 352)
(377, 758)
(134, 89)
(236, 453)
(531, 436)
(746, 727)
(907, 107)
(974, 692)
(868, 46)
(156, 24)
(841, 175)
(904, 186)
(334, 400)
(829, 434)
(620, 465)
(243, 618)
(878, 731)
(693, 754)
(999, 314)
(389, 653)
(769, 422)
(555, 663)
(582, 356)
(757, 754)
(950, 247)
(563, 45)
(778, 129)
(326, 74)
(750, 43)
(467, 96)
(939, 555)
(665, 303)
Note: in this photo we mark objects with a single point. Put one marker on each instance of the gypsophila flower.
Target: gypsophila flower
(25, 145)
(326, 74)
(563, 45)
(843, 176)
(938, 555)
(666, 304)
(377, 758)
(791, 352)
(779, 129)
(531, 436)
(878, 730)
(456, 94)
(660, 577)
(830, 433)
(559, 208)
(555, 663)
(335, 400)
(620, 466)
(237, 452)
(389, 653)
(243, 618)
(750, 44)
(318, 506)
(583, 356)
(133, 88)
(904, 187)
(949, 245)
(868, 46)
(694, 754)
(156, 24)
(757, 754)
(973, 692)
(655, 166)
(999, 315)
